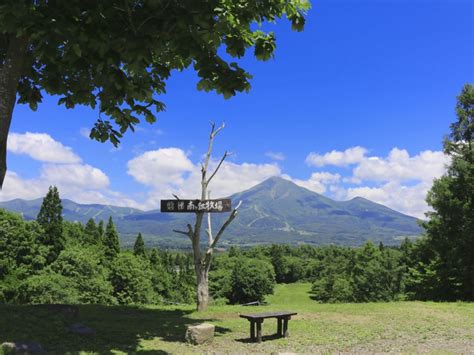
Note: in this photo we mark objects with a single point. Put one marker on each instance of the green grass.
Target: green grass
(372, 327)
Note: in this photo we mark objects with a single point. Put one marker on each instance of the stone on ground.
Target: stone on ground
(200, 334)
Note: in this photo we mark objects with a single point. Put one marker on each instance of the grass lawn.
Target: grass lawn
(372, 327)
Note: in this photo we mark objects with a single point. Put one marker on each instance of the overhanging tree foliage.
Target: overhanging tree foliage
(116, 55)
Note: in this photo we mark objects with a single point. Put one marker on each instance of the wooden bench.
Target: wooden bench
(258, 318)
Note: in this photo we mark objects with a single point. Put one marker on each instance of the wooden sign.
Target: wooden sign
(213, 206)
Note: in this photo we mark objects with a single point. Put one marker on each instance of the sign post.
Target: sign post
(189, 206)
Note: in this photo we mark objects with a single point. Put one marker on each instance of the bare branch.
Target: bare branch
(215, 132)
(218, 166)
(225, 225)
(210, 250)
(189, 233)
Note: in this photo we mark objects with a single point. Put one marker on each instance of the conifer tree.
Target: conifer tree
(51, 219)
(154, 257)
(111, 240)
(91, 232)
(139, 247)
(101, 231)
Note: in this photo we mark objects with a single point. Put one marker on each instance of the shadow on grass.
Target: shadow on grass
(264, 338)
(115, 327)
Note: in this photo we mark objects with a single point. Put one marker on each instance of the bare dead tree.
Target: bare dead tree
(203, 258)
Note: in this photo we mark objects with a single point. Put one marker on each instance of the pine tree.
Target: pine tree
(154, 257)
(101, 231)
(111, 240)
(139, 247)
(51, 219)
(91, 232)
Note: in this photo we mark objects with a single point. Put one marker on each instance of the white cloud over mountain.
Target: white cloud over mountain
(61, 167)
(399, 180)
(169, 171)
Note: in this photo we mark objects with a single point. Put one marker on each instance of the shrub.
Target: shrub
(251, 280)
(130, 277)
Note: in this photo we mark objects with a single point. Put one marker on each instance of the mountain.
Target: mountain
(274, 211)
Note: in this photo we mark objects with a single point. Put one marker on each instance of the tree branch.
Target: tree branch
(232, 216)
(189, 233)
(226, 154)
(204, 166)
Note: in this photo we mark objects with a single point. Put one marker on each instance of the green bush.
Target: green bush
(130, 277)
(251, 280)
(48, 287)
(82, 265)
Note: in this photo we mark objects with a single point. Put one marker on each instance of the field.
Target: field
(373, 327)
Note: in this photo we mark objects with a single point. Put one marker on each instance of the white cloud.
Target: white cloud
(399, 166)
(318, 182)
(337, 158)
(41, 147)
(162, 166)
(78, 175)
(16, 187)
(169, 171)
(406, 199)
(275, 155)
(63, 168)
(233, 178)
(399, 181)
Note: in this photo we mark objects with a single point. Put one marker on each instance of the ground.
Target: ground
(409, 327)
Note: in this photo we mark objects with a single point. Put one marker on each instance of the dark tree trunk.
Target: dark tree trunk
(10, 74)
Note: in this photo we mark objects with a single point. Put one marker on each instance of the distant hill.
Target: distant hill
(274, 211)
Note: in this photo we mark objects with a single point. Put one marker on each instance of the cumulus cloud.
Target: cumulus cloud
(275, 156)
(16, 187)
(41, 147)
(337, 158)
(61, 167)
(399, 181)
(78, 175)
(399, 166)
(170, 171)
(162, 166)
(406, 199)
(318, 182)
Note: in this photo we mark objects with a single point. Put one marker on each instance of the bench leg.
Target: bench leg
(286, 334)
(279, 331)
(259, 331)
(252, 330)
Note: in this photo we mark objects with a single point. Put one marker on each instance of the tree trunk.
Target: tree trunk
(10, 74)
(202, 289)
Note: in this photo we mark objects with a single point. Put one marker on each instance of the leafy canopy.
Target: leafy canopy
(116, 55)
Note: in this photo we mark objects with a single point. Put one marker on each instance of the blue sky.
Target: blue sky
(374, 82)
